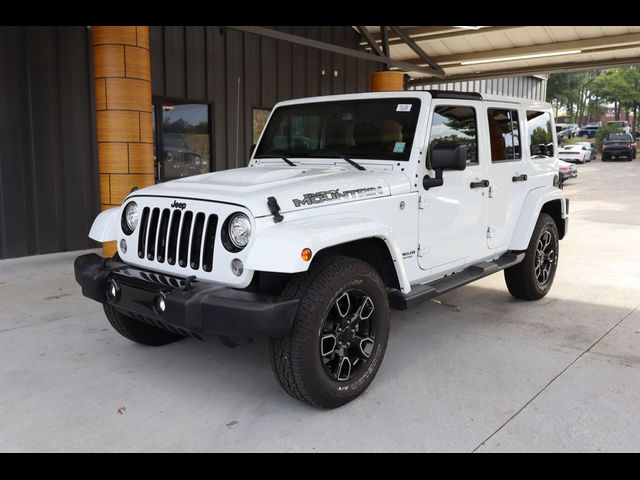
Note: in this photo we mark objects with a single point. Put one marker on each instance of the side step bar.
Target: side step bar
(401, 301)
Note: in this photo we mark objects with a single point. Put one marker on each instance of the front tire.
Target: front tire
(339, 335)
(532, 278)
(138, 331)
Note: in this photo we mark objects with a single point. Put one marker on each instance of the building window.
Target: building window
(184, 142)
(455, 125)
(504, 133)
(260, 116)
(540, 134)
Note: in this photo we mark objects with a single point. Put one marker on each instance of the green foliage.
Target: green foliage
(603, 132)
(619, 85)
(541, 136)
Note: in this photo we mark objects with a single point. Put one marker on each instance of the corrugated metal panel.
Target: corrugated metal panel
(48, 165)
(261, 70)
(533, 88)
(48, 162)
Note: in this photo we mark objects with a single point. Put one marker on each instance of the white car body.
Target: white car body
(575, 153)
(428, 233)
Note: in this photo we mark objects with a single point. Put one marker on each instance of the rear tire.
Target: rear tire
(334, 321)
(137, 331)
(532, 278)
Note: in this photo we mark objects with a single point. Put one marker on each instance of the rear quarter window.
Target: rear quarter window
(540, 133)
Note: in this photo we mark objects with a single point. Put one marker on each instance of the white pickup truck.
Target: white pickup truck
(350, 205)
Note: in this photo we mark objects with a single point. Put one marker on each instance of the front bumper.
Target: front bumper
(198, 309)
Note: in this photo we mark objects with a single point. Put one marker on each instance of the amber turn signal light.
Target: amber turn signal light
(306, 254)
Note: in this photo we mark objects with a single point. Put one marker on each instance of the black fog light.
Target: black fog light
(113, 289)
(159, 303)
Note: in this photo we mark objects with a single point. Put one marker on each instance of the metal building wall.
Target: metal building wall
(238, 71)
(48, 166)
(530, 87)
(48, 161)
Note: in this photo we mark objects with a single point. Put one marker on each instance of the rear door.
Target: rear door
(508, 173)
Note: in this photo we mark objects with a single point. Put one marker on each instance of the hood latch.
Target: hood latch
(274, 208)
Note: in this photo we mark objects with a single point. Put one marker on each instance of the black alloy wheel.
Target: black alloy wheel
(348, 335)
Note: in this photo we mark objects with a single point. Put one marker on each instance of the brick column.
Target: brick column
(386, 81)
(122, 72)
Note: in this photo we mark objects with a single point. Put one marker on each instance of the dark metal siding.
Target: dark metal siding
(48, 165)
(48, 162)
(238, 71)
(531, 87)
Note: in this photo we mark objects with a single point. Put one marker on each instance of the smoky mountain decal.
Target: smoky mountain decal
(336, 194)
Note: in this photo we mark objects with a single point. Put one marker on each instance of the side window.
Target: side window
(504, 133)
(455, 125)
(539, 133)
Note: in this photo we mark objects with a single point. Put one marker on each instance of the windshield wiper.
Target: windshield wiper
(288, 162)
(343, 156)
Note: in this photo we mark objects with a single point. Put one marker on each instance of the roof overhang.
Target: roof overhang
(436, 54)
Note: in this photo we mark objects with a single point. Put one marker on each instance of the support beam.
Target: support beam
(419, 51)
(421, 34)
(308, 42)
(366, 34)
(384, 35)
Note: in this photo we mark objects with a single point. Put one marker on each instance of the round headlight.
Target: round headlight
(132, 215)
(239, 230)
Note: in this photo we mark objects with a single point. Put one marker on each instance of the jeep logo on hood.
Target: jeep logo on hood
(180, 205)
(336, 194)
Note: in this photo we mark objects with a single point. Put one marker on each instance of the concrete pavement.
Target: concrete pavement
(480, 371)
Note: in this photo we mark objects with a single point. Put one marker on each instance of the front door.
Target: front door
(453, 217)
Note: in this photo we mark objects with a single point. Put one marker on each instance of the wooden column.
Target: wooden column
(386, 81)
(122, 72)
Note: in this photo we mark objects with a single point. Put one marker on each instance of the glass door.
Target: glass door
(183, 139)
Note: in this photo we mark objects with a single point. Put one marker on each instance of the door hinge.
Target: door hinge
(422, 250)
(420, 203)
(491, 232)
(490, 192)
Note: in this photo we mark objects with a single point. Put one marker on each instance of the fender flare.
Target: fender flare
(277, 248)
(531, 208)
(105, 226)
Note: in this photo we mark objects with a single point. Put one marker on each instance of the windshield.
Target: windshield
(620, 137)
(374, 129)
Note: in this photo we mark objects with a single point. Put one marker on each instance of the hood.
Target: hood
(295, 188)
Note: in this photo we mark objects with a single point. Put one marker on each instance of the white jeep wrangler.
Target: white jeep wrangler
(351, 205)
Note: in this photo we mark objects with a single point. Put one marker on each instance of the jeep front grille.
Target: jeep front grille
(185, 238)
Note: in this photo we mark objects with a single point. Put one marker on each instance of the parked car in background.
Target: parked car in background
(567, 170)
(564, 130)
(618, 145)
(591, 147)
(623, 125)
(588, 131)
(574, 153)
(574, 128)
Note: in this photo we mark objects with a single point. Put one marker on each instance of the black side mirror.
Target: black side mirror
(449, 156)
(445, 156)
(550, 150)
